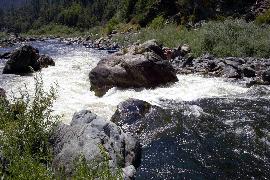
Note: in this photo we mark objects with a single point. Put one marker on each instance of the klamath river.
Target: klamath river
(73, 64)
(234, 142)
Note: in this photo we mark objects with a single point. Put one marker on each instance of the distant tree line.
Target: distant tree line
(84, 14)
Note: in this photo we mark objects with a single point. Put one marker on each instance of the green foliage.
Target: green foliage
(263, 18)
(157, 23)
(3, 35)
(54, 29)
(26, 126)
(85, 14)
(235, 38)
(226, 38)
(70, 15)
(95, 169)
(111, 26)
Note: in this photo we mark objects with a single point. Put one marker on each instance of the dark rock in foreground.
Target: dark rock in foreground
(84, 137)
(142, 67)
(26, 60)
(205, 139)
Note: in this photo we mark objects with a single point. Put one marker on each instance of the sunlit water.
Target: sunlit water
(73, 64)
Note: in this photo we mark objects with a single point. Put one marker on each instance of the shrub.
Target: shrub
(157, 23)
(96, 169)
(263, 18)
(111, 26)
(26, 126)
(220, 38)
(54, 29)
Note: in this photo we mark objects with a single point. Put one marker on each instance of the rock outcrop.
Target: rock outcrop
(141, 66)
(84, 136)
(26, 60)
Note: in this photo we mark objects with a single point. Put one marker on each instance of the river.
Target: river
(235, 114)
(73, 64)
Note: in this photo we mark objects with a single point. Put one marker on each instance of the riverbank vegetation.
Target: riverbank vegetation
(225, 33)
(26, 126)
(220, 38)
(85, 14)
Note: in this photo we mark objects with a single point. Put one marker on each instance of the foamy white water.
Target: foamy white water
(73, 64)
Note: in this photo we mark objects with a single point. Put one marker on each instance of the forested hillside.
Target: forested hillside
(88, 13)
(6, 4)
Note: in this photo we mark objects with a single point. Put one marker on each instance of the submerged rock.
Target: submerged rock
(84, 136)
(143, 66)
(204, 139)
(26, 60)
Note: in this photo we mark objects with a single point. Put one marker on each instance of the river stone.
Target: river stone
(2, 93)
(249, 72)
(231, 72)
(26, 60)
(204, 139)
(84, 135)
(266, 76)
(152, 46)
(131, 71)
(45, 61)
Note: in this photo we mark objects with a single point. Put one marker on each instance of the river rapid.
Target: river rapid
(73, 64)
(236, 108)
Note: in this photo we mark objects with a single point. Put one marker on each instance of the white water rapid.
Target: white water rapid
(73, 64)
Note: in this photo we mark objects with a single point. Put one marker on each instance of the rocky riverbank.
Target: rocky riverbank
(252, 70)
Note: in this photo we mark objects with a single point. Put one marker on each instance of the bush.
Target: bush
(54, 29)
(111, 26)
(26, 126)
(220, 38)
(157, 23)
(96, 169)
(263, 18)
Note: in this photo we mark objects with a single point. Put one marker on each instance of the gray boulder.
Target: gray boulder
(131, 70)
(230, 71)
(152, 46)
(84, 136)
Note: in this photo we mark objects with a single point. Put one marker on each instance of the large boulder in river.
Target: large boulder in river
(84, 136)
(26, 60)
(147, 69)
(203, 139)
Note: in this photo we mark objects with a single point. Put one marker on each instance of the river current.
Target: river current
(73, 64)
(231, 140)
